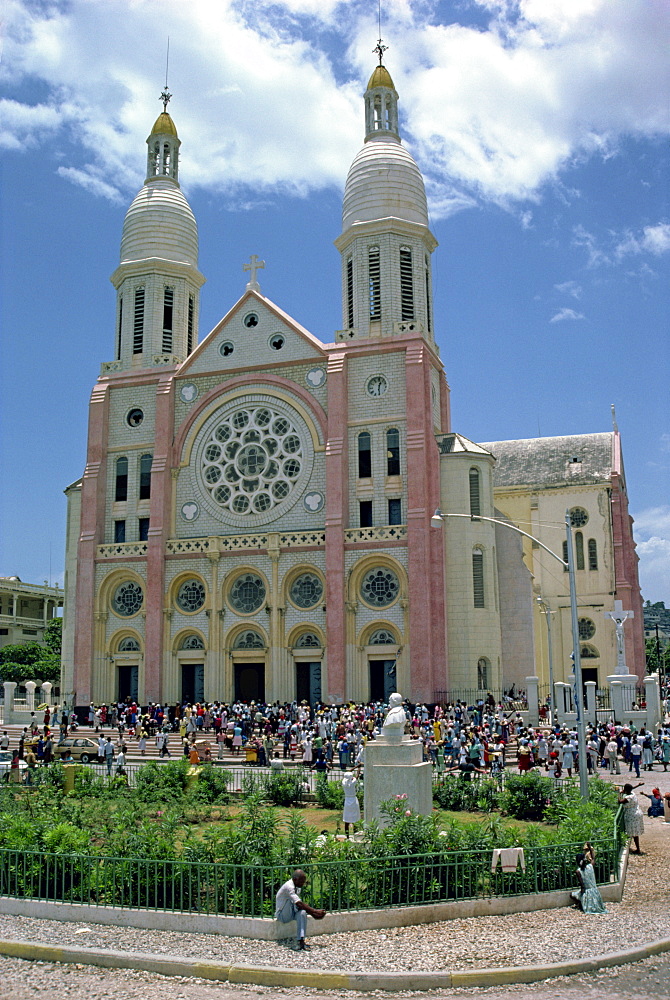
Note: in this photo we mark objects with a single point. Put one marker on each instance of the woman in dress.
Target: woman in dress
(633, 821)
(352, 809)
(587, 896)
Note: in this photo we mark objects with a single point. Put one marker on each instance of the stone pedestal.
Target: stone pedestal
(10, 690)
(622, 695)
(396, 769)
(46, 692)
(652, 696)
(533, 697)
(590, 687)
(30, 695)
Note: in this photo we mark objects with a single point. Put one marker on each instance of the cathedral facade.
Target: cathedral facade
(254, 519)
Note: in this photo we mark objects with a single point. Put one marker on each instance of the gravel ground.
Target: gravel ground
(484, 942)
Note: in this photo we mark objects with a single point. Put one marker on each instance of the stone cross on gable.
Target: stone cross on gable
(619, 617)
(254, 265)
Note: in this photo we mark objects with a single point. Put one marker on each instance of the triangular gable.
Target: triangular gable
(253, 346)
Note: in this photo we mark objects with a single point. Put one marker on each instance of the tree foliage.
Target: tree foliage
(25, 661)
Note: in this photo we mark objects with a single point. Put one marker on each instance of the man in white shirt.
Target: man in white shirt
(289, 906)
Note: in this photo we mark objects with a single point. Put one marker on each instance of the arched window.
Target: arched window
(475, 493)
(138, 322)
(308, 641)
(190, 325)
(478, 578)
(364, 456)
(393, 452)
(588, 652)
(406, 284)
(593, 554)
(350, 293)
(565, 557)
(374, 283)
(168, 312)
(145, 476)
(482, 673)
(382, 637)
(129, 645)
(429, 304)
(119, 328)
(579, 549)
(166, 158)
(121, 486)
(249, 640)
(192, 642)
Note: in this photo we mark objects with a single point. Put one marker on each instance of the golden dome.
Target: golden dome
(164, 125)
(380, 78)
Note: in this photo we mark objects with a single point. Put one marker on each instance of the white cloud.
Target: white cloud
(570, 288)
(23, 125)
(566, 314)
(91, 181)
(260, 102)
(652, 533)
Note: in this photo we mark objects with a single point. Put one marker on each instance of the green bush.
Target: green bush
(212, 784)
(286, 788)
(457, 794)
(329, 794)
(527, 796)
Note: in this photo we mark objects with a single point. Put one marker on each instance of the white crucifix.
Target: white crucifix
(619, 617)
(253, 266)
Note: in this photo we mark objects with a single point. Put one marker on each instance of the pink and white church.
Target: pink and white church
(254, 517)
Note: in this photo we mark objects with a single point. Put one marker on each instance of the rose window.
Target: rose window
(191, 596)
(247, 593)
(306, 590)
(380, 587)
(586, 628)
(128, 598)
(252, 459)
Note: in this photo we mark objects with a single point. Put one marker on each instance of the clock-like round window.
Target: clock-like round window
(191, 596)
(135, 417)
(376, 385)
(380, 587)
(306, 590)
(252, 459)
(128, 598)
(586, 628)
(578, 517)
(247, 593)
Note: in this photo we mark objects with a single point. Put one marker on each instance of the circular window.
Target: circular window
(250, 320)
(191, 596)
(127, 599)
(380, 587)
(247, 593)
(188, 392)
(306, 590)
(276, 342)
(578, 517)
(376, 386)
(586, 628)
(251, 460)
(226, 349)
(135, 417)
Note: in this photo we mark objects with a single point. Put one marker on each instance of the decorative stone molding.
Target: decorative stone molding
(408, 326)
(122, 549)
(166, 359)
(381, 534)
(214, 546)
(107, 367)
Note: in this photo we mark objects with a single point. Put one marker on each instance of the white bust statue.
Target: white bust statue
(394, 723)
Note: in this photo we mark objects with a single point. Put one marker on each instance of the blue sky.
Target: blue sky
(540, 126)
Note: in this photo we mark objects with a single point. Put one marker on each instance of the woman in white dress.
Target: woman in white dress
(352, 809)
(633, 821)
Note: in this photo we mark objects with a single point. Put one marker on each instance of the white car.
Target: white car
(6, 757)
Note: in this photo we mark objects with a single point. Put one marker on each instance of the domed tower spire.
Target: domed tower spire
(386, 242)
(158, 281)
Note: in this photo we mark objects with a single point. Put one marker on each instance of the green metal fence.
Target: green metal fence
(365, 882)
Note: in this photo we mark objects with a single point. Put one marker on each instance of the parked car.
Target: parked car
(81, 748)
(5, 765)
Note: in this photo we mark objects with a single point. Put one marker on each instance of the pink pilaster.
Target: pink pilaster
(90, 536)
(337, 514)
(424, 552)
(626, 579)
(159, 527)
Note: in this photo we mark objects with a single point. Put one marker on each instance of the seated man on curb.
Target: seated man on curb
(289, 906)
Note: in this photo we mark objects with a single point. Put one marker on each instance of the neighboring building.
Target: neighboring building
(536, 481)
(254, 520)
(26, 609)
(656, 617)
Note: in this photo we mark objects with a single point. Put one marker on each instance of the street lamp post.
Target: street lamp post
(437, 519)
(547, 612)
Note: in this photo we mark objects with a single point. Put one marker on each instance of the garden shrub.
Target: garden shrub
(329, 794)
(527, 796)
(212, 783)
(285, 788)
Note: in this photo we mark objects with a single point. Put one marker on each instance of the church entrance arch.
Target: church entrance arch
(127, 682)
(249, 681)
(308, 681)
(192, 683)
(382, 679)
